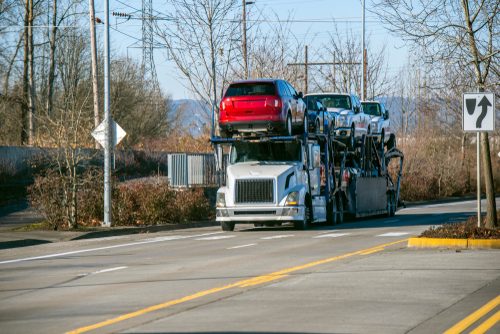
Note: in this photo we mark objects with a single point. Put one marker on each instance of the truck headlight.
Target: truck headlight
(221, 200)
(374, 126)
(292, 199)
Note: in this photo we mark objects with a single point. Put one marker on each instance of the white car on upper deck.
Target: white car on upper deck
(380, 123)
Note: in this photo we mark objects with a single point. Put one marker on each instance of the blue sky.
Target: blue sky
(347, 13)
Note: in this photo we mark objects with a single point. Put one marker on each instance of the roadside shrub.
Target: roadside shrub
(135, 203)
(49, 194)
(152, 203)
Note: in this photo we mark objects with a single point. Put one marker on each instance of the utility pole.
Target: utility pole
(93, 51)
(107, 120)
(363, 84)
(305, 71)
(244, 39)
(306, 65)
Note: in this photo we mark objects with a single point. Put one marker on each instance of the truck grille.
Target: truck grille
(255, 191)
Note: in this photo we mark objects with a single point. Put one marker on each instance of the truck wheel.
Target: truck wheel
(227, 226)
(330, 208)
(352, 138)
(382, 139)
(303, 224)
(289, 127)
(391, 204)
(305, 123)
(338, 217)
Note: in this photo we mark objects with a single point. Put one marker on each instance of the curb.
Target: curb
(453, 243)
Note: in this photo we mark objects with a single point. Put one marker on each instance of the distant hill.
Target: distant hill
(193, 115)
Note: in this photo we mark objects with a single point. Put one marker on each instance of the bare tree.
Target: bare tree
(464, 33)
(198, 39)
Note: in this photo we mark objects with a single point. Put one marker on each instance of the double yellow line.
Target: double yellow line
(240, 284)
(475, 316)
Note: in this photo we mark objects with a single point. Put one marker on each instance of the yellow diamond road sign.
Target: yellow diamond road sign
(117, 133)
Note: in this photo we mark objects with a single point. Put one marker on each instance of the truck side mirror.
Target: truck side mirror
(386, 114)
(356, 109)
(314, 156)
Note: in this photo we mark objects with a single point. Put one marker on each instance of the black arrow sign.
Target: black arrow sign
(484, 103)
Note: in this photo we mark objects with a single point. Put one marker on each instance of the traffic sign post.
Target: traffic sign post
(478, 115)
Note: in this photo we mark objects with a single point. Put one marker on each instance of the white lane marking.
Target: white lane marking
(393, 234)
(331, 235)
(278, 236)
(242, 246)
(216, 237)
(150, 241)
(103, 271)
(392, 221)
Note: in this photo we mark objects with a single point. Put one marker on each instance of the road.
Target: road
(358, 277)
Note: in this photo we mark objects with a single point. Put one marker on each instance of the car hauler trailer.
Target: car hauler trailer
(304, 179)
(369, 186)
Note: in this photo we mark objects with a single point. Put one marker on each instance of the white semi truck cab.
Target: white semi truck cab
(272, 182)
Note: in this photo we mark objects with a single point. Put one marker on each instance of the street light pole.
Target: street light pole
(244, 41)
(244, 38)
(107, 120)
(363, 84)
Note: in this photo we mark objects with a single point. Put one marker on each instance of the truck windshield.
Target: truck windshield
(271, 152)
(371, 109)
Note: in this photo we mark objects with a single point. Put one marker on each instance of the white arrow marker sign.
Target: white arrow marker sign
(479, 112)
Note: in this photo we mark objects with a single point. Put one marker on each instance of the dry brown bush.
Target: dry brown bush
(435, 167)
(138, 203)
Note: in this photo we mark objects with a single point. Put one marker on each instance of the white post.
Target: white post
(107, 120)
(478, 154)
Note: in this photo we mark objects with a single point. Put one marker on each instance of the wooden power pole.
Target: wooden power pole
(93, 51)
(306, 65)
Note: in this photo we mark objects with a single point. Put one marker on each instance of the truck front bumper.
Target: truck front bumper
(261, 214)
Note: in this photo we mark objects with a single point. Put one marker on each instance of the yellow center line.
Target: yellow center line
(473, 317)
(485, 326)
(240, 284)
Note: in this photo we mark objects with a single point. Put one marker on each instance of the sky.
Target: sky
(125, 36)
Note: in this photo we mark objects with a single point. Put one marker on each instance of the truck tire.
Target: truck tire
(338, 217)
(330, 208)
(382, 141)
(227, 226)
(391, 204)
(288, 125)
(304, 224)
(352, 139)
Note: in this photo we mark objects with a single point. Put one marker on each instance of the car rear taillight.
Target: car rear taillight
(223, 105)
(345, 178)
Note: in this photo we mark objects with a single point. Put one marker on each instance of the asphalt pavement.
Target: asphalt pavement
(358, 277)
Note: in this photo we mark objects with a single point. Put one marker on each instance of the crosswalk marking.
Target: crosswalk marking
(393, 234)
(278, 236)
(216, 237)
(331, 235)
(242, 246)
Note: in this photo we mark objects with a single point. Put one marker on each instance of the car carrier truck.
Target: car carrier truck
(303, 179)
